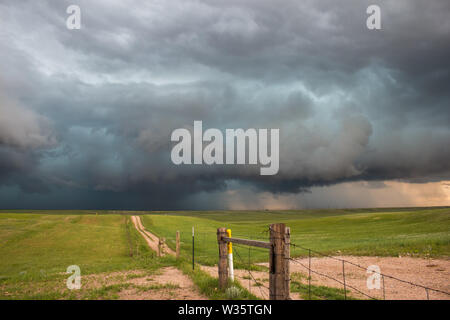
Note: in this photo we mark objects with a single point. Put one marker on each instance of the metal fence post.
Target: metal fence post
(178, 245)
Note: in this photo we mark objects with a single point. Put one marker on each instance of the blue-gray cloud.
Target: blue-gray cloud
(86, 115)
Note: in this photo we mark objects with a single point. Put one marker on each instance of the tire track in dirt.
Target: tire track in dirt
(175, 286)
(167, 283)
(170, 275)
(149, 237)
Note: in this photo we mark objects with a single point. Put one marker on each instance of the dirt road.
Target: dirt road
(181, 287)
(167, 283)
(149, 237)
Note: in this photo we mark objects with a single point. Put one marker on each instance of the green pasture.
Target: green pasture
(375, 232)
(36, 247)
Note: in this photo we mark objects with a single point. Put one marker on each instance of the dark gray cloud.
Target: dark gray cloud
(86, 115)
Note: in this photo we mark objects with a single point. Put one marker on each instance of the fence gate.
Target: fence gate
(279, 256)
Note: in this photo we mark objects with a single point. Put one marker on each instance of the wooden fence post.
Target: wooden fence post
(287, 258)
(159, 247)
(223, 267)
(178, 245)
(277, 265)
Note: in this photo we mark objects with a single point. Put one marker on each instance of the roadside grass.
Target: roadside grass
(209, 286)
(421, 233)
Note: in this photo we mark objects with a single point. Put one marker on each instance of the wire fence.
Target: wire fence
(205, 254)
(257, 284)
(343, 281)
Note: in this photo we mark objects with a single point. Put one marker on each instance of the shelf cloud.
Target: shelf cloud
(86, 115)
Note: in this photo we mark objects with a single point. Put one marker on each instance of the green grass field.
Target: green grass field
(36, 250)
(374, 232)
(34, 242)
(36, 247)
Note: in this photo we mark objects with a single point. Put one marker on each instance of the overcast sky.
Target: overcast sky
(86, 115)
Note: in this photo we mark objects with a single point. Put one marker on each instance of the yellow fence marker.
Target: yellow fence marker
(230, 257)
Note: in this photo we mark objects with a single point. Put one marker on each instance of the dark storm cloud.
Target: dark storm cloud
(88, 113)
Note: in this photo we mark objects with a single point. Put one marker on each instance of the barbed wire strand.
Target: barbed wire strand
(309, 275)
(343, 275)
(363, 268)
(249, 283)
(258, 284)
(249, 265)
(374, 271)
(331, 278)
